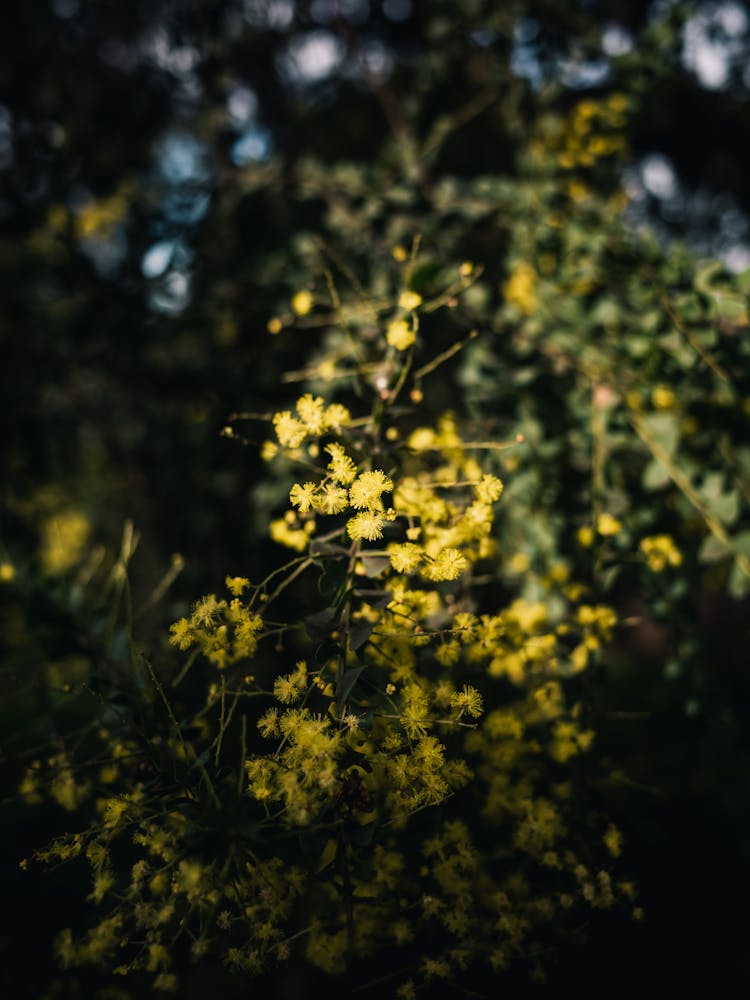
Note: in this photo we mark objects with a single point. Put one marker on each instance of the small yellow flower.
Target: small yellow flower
(274, 325)
(302, 303)
(606, 524)
(448, 565)
(311, 411)
(489, 488)
(7, 572)
(365, 491)
(405, 558)
(400, 335)
(269, 450)
(336, 416)
(366, 525)
(468, 700)
(585, 536)
(519, 289)
(409, 300)
(399, 253)
(290, 431)
(341, 466)
(236, 584)
(663, 398)
(660, 551)
(613, 841)
(303, 496)
(332, 499)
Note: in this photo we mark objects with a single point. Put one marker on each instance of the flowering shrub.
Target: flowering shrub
(513, 490)
(391, 768)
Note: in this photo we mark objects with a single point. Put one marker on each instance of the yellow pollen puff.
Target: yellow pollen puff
(448, 565)
(341, 466)
(606, 524)
(274, 325)
(7, 572)
(269, 450)
(399, 253)
(236, 584)
(365, 491)
(613, 841)
(585, 536)
(302, 303)
(519, 289)
(367, 525)
(409, 300)
(663, 398)
(466, 269)
(400, 335)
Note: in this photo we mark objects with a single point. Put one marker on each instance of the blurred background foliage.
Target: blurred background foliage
(172, 174)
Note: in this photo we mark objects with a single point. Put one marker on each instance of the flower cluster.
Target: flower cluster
(332, 779)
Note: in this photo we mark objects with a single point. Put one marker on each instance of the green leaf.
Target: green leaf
(705, 275)
(713, 550)
(328, 855)
(348, 681)
(665, 429)
(655, 476)
(377, 599)
(333, 578)
(375, 565)
(723, 505)
(320, 625)
(739, 581)
(359, 633)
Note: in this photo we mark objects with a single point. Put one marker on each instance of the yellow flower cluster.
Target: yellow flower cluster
(224, 631)
(660, 551)
(383, 717)
(313, 419)
(520, 288)
(593, 132)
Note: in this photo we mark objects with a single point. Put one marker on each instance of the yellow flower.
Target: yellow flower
(367, 525)
(302, 497)
(400, 335)
(342, 468)
(405, 558)
(468, 700)
(489, 488)
(64, 538)
(409, 300)
(660, 551)
(613, 841)
(519, 289)
(274, 325)
(311, 410)
(585, 536)
(302, 303)
(290, 431)
(7, 572)
(448, 565)
(336, 416)
(606, 524)
(269, 450)
(236, 584)
(663, 398)
(366, 489)
(332, 499)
